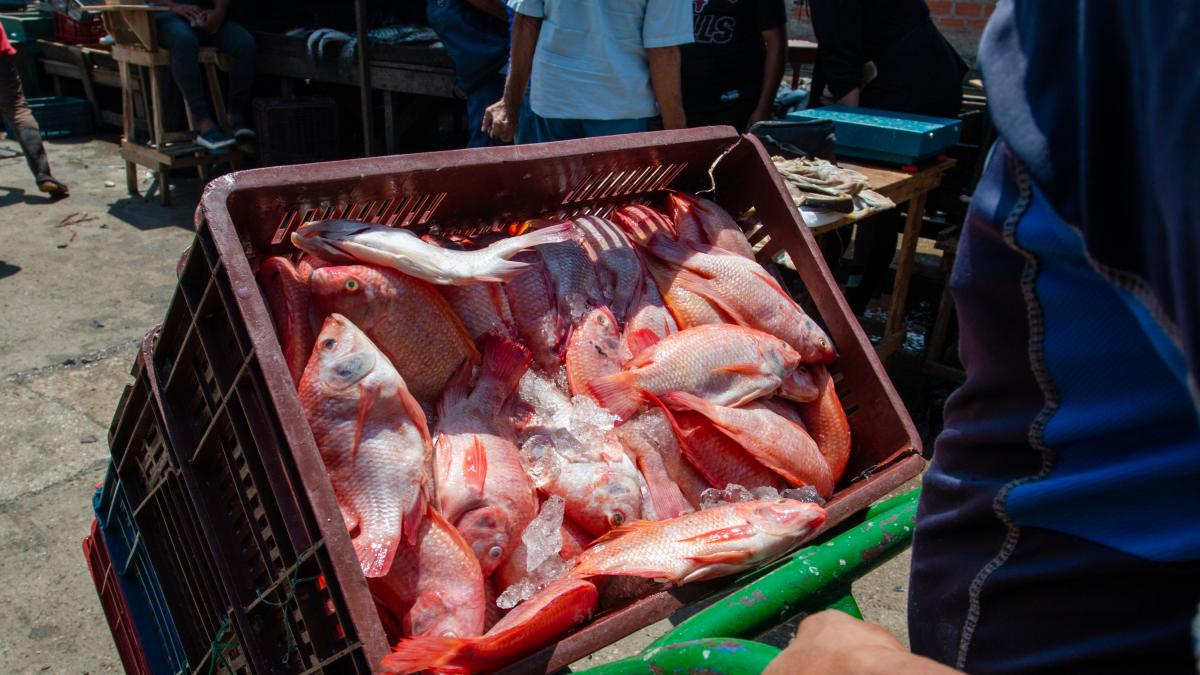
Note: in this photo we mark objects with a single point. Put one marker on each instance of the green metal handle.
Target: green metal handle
(715, 656)
(808, 577)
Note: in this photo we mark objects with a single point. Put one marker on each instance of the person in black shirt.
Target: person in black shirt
(731, 72)
(887, 55)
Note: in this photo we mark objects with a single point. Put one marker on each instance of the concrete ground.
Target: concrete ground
(81, 280)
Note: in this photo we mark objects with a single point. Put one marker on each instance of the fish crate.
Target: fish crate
(167, 529)
(147, 614)
(59, 117)
(234, 418)
(116, 610)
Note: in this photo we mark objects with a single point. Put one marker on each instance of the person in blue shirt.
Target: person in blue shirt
(475, 35)
(593, 68)
(1059, 522)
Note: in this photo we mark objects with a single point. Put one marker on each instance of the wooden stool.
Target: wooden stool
(137, 47)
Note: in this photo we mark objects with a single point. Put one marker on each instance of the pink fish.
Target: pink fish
(826, 421)
(617, 262)
(706, 222)
(535, 311)
(373, 438)
(290, 303)
(593, 350)
(483, 309)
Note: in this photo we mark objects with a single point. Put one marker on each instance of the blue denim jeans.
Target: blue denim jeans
(183, 41)
(545, 129)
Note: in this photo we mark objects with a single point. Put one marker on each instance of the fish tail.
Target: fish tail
(375, 556)
(501, 271)
(414, 655)
(617, 392)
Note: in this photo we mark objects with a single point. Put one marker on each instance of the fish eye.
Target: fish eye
(328, 344)
(352, 285)
(494, 552)
(617, 519)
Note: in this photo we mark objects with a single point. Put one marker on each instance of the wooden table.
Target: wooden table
(901, 187)
(800, 53)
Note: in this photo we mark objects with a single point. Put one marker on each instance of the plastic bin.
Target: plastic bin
(25, 27)
(85, 29)
(885, 136)
(116, 611)
(295, 130)
(169, 531)
(60, 116)
(261, 493)
(151, 619)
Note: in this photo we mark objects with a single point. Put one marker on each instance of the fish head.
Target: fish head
(322, 238)
(438, 614)
(354, 291)
(778, 356)
(614, 499)
(486, 530)
(343, 355)
(800, 386)
(782, 517)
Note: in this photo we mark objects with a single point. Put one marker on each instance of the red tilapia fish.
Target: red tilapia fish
(745, 291)
(642, 223)
(826, 420)
(618, 264)
(288, 299)
(699, 221)
(349, 241)
(435, 585)
(593, 350)
(373, 438)
(535, 310)
(406, 317)
(483, 309)
(718, 458)
(538, 621)
(482, 487)
(774, 440)
(728, 365)
(701, 545)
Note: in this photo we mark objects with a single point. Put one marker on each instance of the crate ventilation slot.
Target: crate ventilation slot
(408, 211)
(605, 184)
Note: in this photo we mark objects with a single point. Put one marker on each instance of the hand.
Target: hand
(499, 122)
(212, 21)
(190, 13)
(760, 113)
(833, 642)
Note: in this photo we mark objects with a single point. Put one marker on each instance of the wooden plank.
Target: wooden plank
(86, 78)
(364, 77)
(99, 76)
(904, 267)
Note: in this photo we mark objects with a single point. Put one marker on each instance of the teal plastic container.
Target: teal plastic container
(885, 136)
(60, 116)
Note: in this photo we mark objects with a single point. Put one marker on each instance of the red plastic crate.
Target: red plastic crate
(235, 422)
(116, 612)
(84, 31)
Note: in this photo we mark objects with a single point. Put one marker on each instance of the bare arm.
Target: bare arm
(851, 98)
(500, 119)
(776, 42)
(493, 7)
(664, 78)
(830, 643)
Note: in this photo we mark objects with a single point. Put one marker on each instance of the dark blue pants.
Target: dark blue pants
(183, 41)
(544, 129)
(489, 91)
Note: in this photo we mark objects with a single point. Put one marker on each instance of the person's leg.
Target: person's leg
(236, 42)
(14, 109)
(178, 37)
(490, 91)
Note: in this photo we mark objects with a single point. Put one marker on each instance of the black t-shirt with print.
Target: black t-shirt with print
(724, 66)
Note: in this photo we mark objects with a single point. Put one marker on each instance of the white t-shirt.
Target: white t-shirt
(590, 61)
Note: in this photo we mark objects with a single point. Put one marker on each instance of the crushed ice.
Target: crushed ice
(543, 535)
(733, 493)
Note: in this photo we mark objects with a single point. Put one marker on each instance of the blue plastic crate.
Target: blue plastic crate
(60, 116)
(148, 610)
(885, 136)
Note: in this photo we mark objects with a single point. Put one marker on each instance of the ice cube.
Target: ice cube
(765, 492)
(543, 535)
(551, 569)
(539, 458)
(732, 494)
(737, 493)
(806, 493)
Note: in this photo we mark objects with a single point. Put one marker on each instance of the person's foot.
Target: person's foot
(215, 138)
(53, 187)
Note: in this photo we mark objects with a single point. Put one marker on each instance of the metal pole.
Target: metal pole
(364, 76)
(808, 577)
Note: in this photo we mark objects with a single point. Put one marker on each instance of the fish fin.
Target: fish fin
(414, 655)
(722, 557)
(439, 521)
(475, 466)
(640, 340)
(698, 285)
(551, 234)
(502, 271)
(413, 517)
(505, 360)
(682, 399)
(366, 399)
(618, 393)
(669, 250)
(414, 412)
(349, 518)
(666, 496)
(742, 531)
(427, 605)
(457, 388)
(622, 530)
(741, 369)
